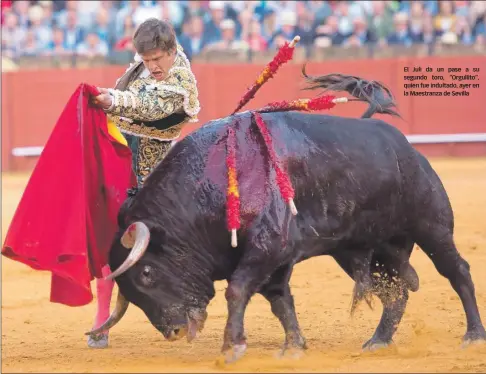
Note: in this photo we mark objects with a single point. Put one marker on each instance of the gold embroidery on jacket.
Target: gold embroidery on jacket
(142, 131)
(150, 153)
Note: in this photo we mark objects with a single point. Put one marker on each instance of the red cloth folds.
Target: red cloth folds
(67, 217)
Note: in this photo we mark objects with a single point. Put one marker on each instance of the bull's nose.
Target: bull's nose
(176, 334)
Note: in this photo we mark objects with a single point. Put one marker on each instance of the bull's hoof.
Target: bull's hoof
(375, 344)
(234, 353)
(476, 336)
(291, 352)
(98, 341)
(294, 346)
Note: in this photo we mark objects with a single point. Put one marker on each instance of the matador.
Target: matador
(149, 105)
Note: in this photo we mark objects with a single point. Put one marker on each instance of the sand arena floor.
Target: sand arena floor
(38, 336)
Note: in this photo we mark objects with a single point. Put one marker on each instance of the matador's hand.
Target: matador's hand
(104, 100)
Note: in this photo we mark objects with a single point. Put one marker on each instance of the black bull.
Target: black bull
(364, 196)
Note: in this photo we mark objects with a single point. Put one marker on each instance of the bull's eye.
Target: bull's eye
(147, 276)
(146, 270)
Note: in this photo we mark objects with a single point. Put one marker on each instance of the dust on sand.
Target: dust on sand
(38, 336)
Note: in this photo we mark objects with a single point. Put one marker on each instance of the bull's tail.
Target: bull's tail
(378, 97)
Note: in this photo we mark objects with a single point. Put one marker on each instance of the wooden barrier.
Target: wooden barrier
(32, 101)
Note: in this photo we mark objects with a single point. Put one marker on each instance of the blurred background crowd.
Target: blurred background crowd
(96, 28)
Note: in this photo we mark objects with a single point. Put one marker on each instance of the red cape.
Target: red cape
(67, 217)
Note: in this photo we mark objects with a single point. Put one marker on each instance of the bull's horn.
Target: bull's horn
(138, 244)
(120, 310)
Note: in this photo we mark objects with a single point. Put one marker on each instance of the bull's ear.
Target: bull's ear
(158, 239)
(123, 212)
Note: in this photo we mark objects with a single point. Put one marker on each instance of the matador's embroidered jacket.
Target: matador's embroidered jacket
(152, 114)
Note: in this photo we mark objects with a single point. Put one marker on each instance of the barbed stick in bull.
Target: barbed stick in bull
(283, 179)
(284, 54)
(233, 195)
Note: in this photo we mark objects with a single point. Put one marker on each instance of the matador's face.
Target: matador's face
(158, 62)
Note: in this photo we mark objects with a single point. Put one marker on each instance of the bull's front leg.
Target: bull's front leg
(237, 297)
(277, 292)
(251, 273)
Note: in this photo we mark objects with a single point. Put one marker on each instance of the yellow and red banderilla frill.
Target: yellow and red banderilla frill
(306, 105)
(283, 179)
(284, 54)
(233, 195)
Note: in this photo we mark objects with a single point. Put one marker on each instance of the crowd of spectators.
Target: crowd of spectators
(95, 28)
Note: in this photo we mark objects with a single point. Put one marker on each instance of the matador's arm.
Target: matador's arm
(155, 101)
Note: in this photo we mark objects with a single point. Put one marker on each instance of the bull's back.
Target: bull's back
(351, 176)
(327, 148)
(319, 151)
